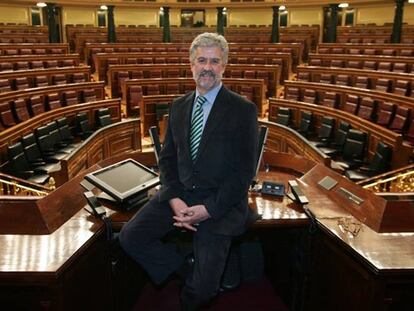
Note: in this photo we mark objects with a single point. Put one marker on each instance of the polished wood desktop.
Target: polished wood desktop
(57, 269)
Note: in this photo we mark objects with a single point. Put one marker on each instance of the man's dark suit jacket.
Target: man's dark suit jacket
(225, 163)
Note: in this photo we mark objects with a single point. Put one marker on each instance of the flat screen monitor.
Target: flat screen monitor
(124, 180)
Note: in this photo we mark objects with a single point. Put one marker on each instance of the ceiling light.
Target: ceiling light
(41, 4)
(103, 7)
(282, 8)
(343, 5)
(410, 1)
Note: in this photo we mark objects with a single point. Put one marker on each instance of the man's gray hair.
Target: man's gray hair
(210, 39)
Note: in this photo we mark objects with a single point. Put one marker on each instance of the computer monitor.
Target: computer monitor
(126, 181)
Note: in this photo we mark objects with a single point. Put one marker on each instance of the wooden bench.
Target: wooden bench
(59, 58)
(49, 73)
(315, 73)
(147, 112)
(23, 37)
(377, 49)
(12, 135)
(270, 73)
(285, 59)
(376, 133)
(119, 138)
(296, 49)
(35, 48)
(371, 38)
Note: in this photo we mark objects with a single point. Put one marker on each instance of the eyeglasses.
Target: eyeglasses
(350, 226)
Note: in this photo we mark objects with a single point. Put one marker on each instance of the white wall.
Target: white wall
(14, 14)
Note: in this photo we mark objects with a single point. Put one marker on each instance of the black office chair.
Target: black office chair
(353, 152)
(340, 136)
(379, 164)
(18, 166)
(57, 140)
(34, 156)
(283, 116)
(103, 117)
(65, 131)
(306, 123)
(46, 145)
(325, 133)
(83, 128)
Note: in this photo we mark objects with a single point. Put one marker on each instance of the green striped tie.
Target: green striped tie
(196, 127)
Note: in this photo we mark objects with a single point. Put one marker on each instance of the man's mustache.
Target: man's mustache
(207, 73)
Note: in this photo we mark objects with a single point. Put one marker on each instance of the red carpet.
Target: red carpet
(258, 296)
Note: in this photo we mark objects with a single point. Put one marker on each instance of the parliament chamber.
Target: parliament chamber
(82, 84)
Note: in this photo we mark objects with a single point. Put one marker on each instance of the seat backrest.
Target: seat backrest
(341, 133)
(70, 98)
(155, 73)
(402, 87)
(35, 64)
(351, 104)
(306, 122)
(152, 89)
(292, 93)
(41, 81)
(88, 95)
(20, 109)
(381, 159)
(327, 128)
(366, 108)
(370, 65)
(135, 96)
(283, 116)
(354, 64)
(53, 101)
(342, 80)
(400, 67)
(325, 78)
(354, 146)
(309, 96)
(330, 99)
(362, 82)
(36, 105)
(384, 66)
(21, 83)
(400, 120)
(4, 85)
(337, 63)
(304, 76)
(383, 85)
(385, 113)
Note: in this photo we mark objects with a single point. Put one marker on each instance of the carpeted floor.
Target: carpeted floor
(258, 296)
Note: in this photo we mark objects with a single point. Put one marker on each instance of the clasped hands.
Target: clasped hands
(188, 217)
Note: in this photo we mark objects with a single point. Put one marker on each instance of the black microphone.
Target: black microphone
(297, 192)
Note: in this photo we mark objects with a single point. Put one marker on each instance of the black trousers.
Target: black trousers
(142, 238)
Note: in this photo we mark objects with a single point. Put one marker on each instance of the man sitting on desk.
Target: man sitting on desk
(206, 166)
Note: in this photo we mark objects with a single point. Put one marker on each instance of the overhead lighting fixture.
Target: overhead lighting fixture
(282, 8)
(410, 1)
(41, 4)
(343, 5)
(103, 7)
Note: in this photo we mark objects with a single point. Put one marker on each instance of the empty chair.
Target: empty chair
(88, 95)
(370, 65)
(56, 140)
(354, 64)
(369, 52)
(34, 155)
(130, 60)
(406, 52)
(247, 91)
(363, 82)
(65, 131)
(304, 76)
(36, 64)
(137, 74)
(342, 79)
(147, 60)
(173, 60)
(22, 65)
(292, 93)
(340, 135)
(173, 88)
(21, 83)
(25, 52)
(379, 164)
(36, 105)
(121, 76)
(19, 166)
(309, 96)
(152, 89)
(383, 85)
(53, 101)
(159, 60)
(135, 97)
(70, 98)
(40, 81)
(79, 77)
(51, 63)
(11, 52)
(325, 132)
(385, 113)
(384, 66)
(59, 79)
(103, 117)
(337, 50)
(20, 110)
(4, 86)
(83, 128)
(6, 66)
(67, 63)
(366, 108)
(402, 87)
(330, 99)
(236, 73)
(325, 78)
(315, 62)
(155, 73)
(172, 73)
(400, 67)
(337, 63)
(400, 121)
(39, 51)
(284, 116)
(389, 52)
(353, 151)
(306, 123)
(351, 103)
(6, 115)
(46, 145)
(354, 51)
